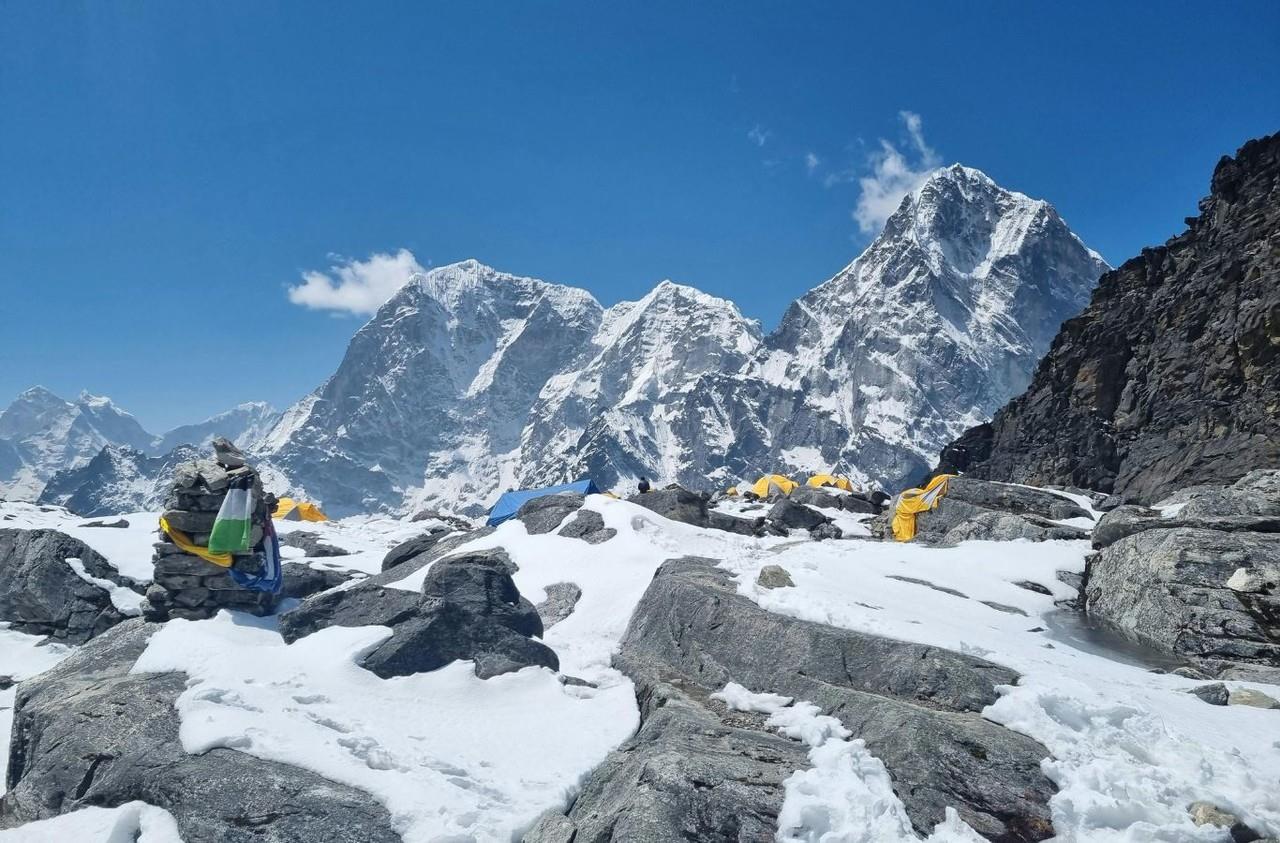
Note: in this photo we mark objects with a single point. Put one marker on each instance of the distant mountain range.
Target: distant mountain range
(469, 381)
(50, 443)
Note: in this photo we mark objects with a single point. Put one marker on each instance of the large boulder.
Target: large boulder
(1172, 588)
(88, 733)
(42, 594)
(788, 514)
(468, 608)
(544, 514)
(1198, 576)
(675, 503)
(688, 507)
(311, 544)
(425, 546)
(588, 525)
(301, 580)
(697, 772)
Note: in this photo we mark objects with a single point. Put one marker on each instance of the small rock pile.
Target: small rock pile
(184, 585)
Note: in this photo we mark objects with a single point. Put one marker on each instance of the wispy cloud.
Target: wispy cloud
(354, 286)
(894, 174)
(811, 163)
(759, 135)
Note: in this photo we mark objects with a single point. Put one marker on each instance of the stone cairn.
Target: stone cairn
(186, 586)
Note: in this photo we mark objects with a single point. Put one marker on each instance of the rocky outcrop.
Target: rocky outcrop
(311, 544)
(1198, 578)
(562, 597)
(1171, 376)
(981, 510)
(695, 771)
(43, 593)
(302, 580)
(87, 733)
(468, 608)
(588, 525)
(544, 514)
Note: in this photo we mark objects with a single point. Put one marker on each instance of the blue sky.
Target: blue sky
(168, 170)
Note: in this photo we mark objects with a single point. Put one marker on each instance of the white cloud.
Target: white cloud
(354, 286)
(894, 175)
(811, 162)
(759, 135)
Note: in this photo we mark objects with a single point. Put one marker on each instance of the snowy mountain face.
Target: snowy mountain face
(471, 381)
(631, 405)
(948, 310)
(246, 423)
(430, 401)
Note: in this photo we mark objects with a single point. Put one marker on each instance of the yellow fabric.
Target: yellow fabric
(311, 512)
(914, 501)
(298, 511)
(182, 540)
(785, 484)
(732, 491)
(832, 480)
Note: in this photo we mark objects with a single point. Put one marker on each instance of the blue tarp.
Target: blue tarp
(510, 501)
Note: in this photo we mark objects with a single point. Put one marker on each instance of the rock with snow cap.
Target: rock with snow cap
(544, 514)
(43, 593)
(133, 751)
(695, 771)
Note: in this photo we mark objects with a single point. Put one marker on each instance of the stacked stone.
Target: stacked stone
(184, 585)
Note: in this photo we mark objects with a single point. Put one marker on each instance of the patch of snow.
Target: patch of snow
(126, 601)
(1130, 749)
(132, 822)
(847, 795)
(21, 656)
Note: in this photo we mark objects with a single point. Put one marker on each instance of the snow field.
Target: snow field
(452, 757)
(1129, 749)
(132, 822)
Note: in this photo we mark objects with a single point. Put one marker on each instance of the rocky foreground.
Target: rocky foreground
(677, 667)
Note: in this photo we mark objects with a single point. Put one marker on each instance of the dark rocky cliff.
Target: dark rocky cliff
(1171, 375)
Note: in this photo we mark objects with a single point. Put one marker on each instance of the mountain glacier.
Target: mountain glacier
(470, 381)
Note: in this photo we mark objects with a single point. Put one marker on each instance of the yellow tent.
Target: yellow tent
(732, 491)
(773, 484)
(290, 510)
(833, 481)
(914, 501)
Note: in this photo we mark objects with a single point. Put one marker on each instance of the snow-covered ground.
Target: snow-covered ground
(21, 656)
(451, 755)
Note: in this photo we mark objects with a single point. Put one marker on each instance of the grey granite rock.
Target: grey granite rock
(790, 515)
(697, 772)
(561, 599)
(87, 733)
(544, 514)
(774, 576)
(588, 525)
(311, 544)
(41, 594)
(1168, 588)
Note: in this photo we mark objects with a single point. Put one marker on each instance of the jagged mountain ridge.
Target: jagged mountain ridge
(1171, 376)
(43, 436)
(486, 381)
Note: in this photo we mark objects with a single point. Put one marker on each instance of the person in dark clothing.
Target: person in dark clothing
(644, 485)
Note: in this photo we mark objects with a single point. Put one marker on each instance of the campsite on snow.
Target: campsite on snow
(976, 539)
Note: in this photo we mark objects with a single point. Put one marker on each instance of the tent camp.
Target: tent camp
(511, 501)
(773, 484)
(289, 509)
(830, 481)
